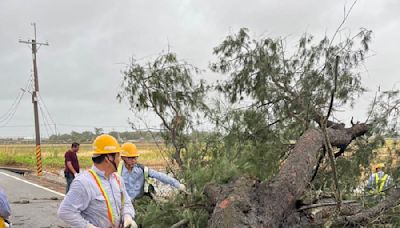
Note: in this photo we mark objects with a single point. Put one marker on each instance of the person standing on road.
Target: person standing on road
(5, 210)
(98, 197)
(71, 164)
(137, 177)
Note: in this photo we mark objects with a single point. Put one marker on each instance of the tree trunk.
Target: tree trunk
(248, 203)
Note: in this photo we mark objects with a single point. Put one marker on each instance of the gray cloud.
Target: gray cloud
(80, 71)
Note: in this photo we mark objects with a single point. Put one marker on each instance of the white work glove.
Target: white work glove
(182, 188)
(129, 223)
(91, 226)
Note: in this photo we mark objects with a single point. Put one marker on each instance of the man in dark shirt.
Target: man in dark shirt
(71, 164)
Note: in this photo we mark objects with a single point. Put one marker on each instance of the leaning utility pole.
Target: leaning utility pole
(35, 93)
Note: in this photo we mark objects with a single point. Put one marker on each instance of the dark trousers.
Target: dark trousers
(69, 177)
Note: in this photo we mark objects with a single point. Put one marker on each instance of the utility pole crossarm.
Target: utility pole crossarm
(33, 41)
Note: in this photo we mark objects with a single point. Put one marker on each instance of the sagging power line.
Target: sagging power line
(9, 114)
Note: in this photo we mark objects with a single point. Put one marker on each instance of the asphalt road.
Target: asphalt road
(32, 205)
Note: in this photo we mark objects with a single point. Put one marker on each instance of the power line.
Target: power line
(47, 118)
(47, 126)
(48, 113)
(11, 115)
(14, 108)
(6, 117)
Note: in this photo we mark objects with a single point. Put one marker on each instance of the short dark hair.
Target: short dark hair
(99, 159)
(75, 145)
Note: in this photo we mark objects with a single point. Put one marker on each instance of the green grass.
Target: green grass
(53, 155)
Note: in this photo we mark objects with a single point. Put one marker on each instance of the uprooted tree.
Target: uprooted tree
(297, 93)
(251, 177)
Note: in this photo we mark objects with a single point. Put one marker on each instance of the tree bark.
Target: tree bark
(248, 203)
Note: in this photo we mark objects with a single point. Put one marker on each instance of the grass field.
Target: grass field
(23, 155)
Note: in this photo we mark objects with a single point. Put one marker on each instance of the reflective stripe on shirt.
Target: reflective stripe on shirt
(85, 204)
(110, 211)
(380, 182)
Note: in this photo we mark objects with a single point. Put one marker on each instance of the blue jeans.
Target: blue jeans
(69, 177)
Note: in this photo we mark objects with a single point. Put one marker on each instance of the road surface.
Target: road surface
(32, 205)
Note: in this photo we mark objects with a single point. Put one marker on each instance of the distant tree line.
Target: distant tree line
(89, 136)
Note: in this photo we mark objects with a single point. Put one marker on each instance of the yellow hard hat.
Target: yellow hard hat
(379, 166)
(105, 144)
(129, 150)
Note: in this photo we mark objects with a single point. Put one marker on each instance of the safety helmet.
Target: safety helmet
(105, 144)
(129, 150)
(379, 166)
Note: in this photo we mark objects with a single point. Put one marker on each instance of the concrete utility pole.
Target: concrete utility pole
(35, 93)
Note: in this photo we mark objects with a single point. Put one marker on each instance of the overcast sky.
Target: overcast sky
(90, 41)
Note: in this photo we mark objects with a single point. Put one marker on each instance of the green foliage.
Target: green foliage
(294, 87)
(74, 136)
(206, 162)
(249, 141)
(289, 91)
(360, 156)
(385, 112)
(166, 87)
(165, 214)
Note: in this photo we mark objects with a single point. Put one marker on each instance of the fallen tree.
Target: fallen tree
(291, 93)
(247, 202)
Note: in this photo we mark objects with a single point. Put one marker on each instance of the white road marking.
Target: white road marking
(36, 185)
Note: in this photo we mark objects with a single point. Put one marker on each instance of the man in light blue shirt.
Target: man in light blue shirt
(136, 175)
(5, 210)
(98, 197)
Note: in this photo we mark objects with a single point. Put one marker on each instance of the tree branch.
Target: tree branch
(342, 23)
(332, 160)
(334, 88)
(180, 223)
(325, 204)
(372, 106)
(363, 217)
(327, 142)
(321, 157)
